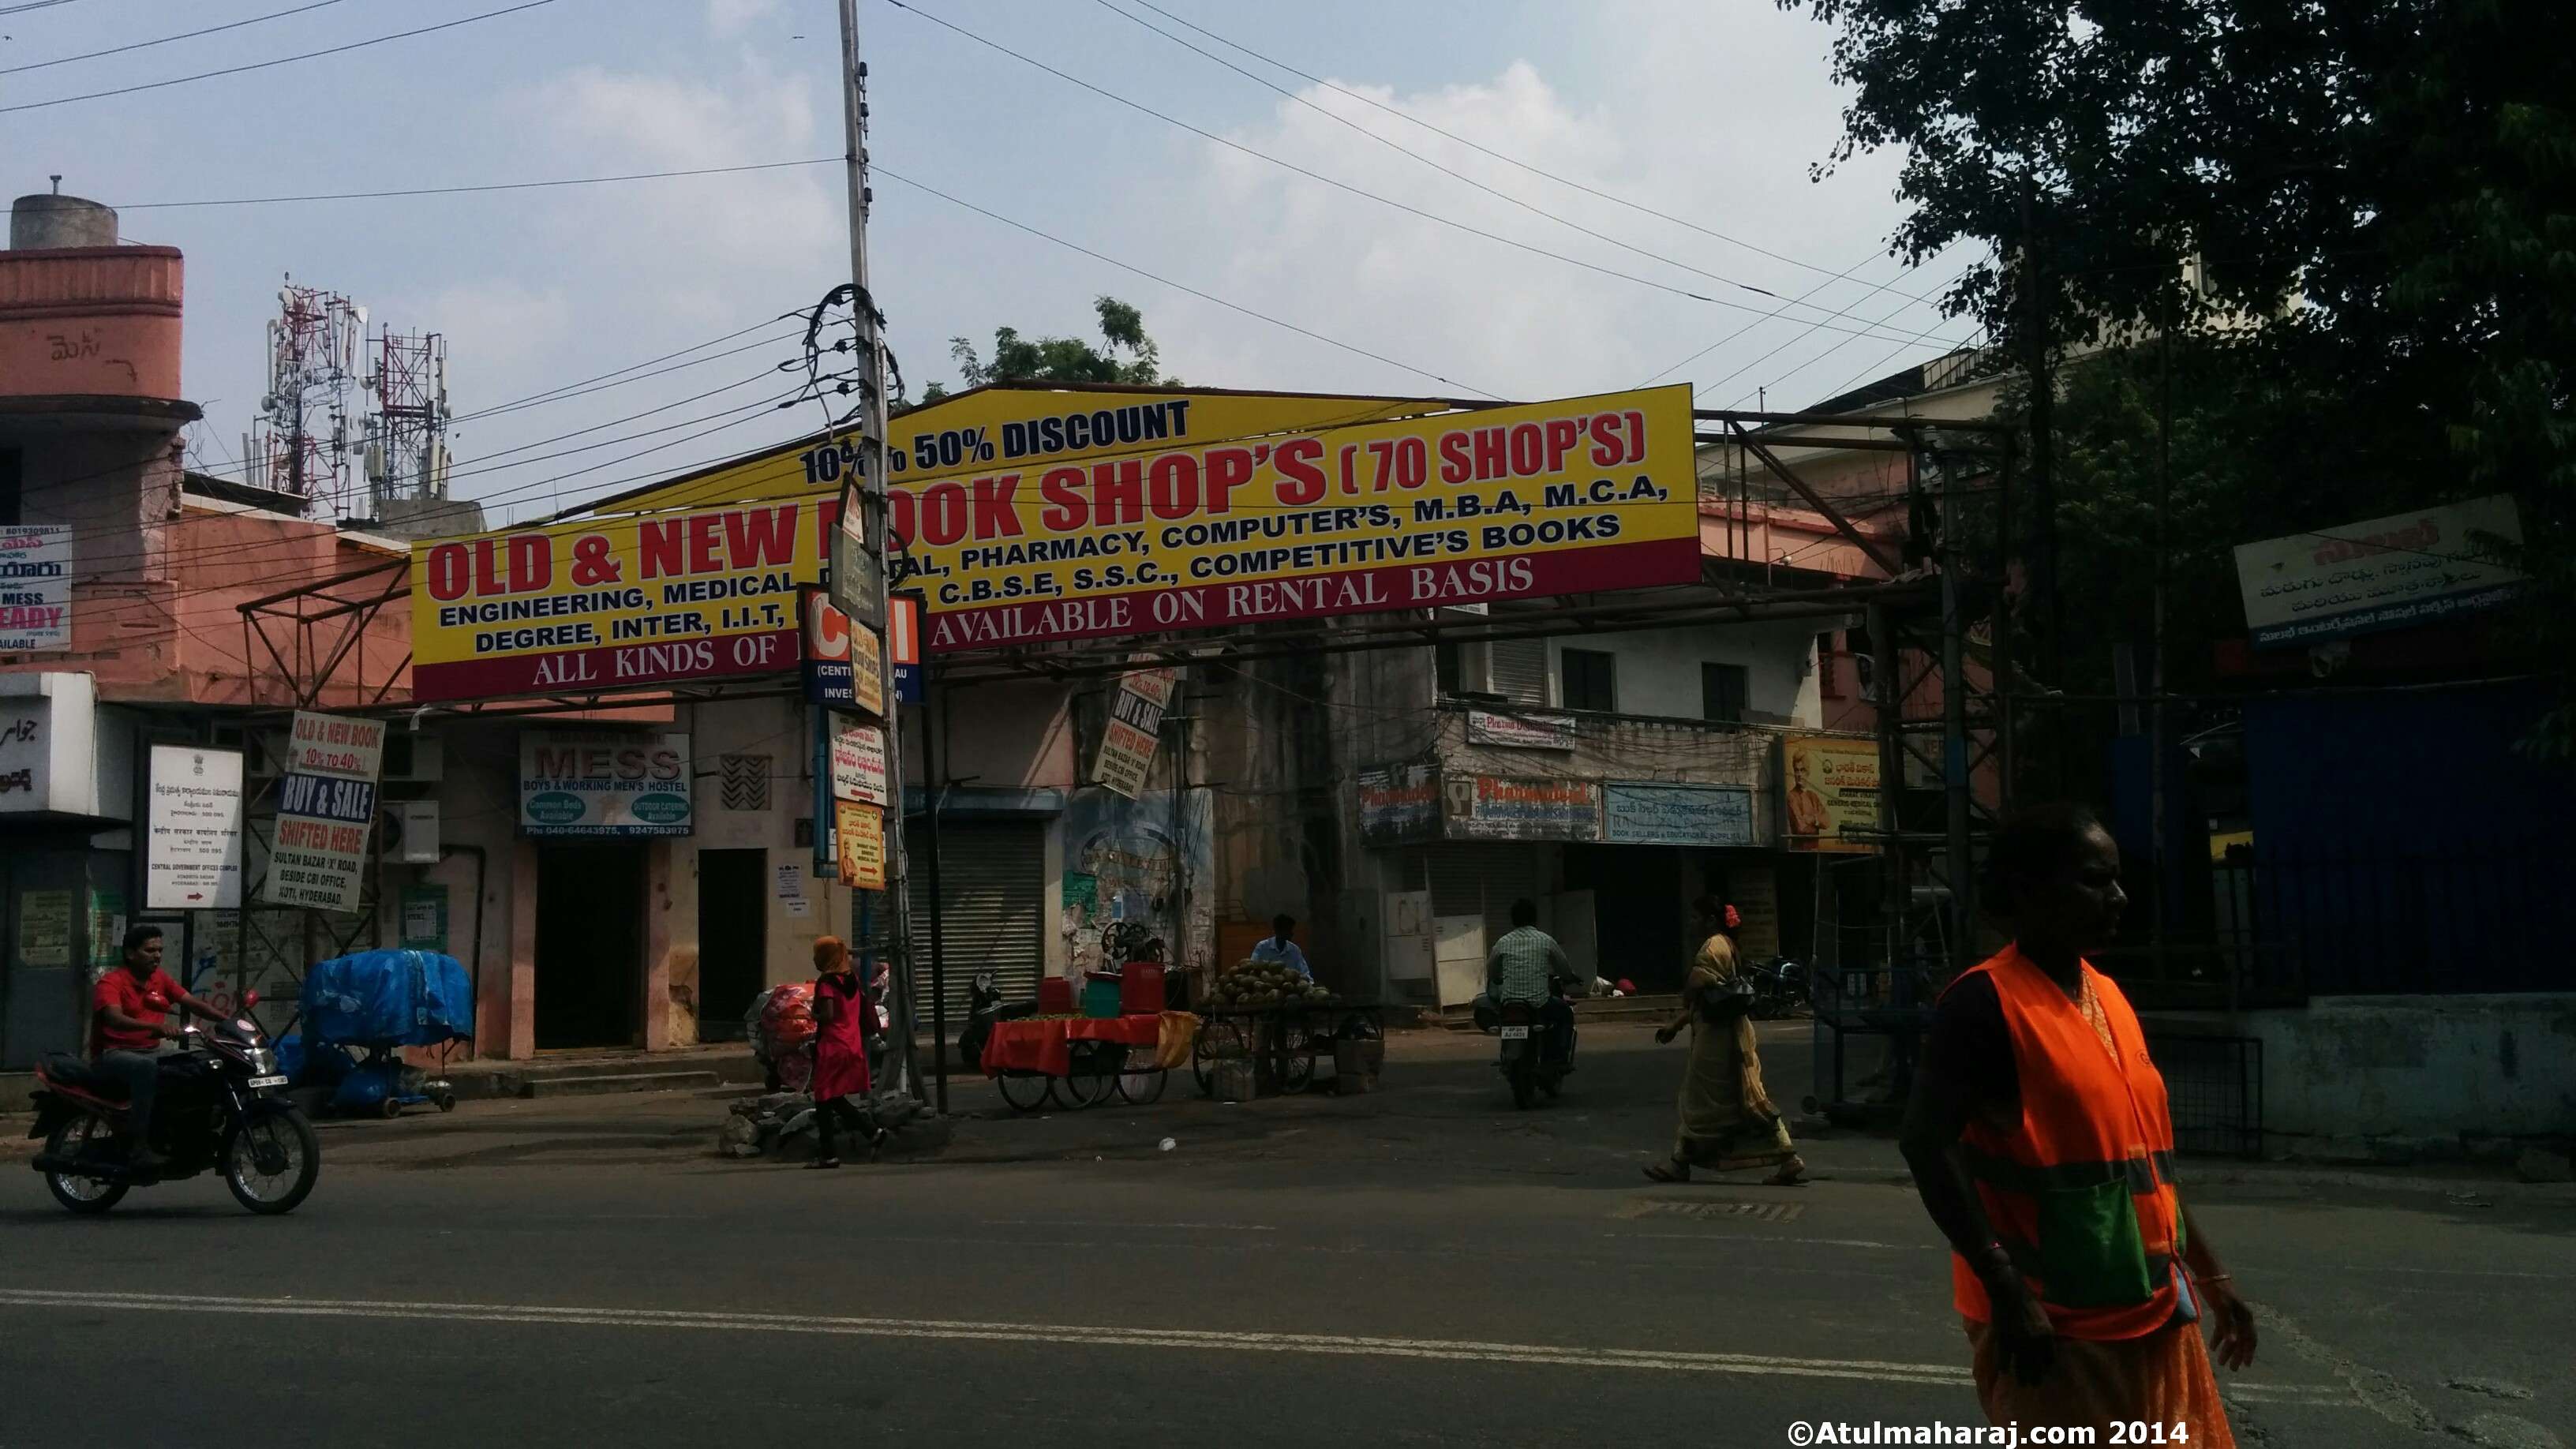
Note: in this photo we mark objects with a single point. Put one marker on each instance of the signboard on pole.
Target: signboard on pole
(35, 588)
(192, 854)
(859, 839)
(2387, 573)
(859, 765)
(1833, 786)
(1134, 728)
(1578, 496)
(609, 785)
(1639, 813)
(326, 810)
(843, 665)
(903, 645)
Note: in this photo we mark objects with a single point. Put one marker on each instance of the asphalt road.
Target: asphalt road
(1423, 1265)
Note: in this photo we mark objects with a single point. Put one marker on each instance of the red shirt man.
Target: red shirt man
(129, 1012)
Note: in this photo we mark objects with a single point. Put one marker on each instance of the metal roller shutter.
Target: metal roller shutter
(1520, 670)
(1481, 880)
(993, 875)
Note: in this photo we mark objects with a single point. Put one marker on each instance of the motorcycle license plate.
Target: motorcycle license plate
(258, 1082)
(1516, 1033)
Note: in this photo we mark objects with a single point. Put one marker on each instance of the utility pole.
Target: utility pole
(869, 489)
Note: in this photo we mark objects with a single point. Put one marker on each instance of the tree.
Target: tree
(1068, 360)
(2405, 168)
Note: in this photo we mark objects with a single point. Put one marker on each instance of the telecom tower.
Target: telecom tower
(299, 444)
(406, 451)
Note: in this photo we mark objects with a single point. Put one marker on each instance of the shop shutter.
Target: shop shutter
(1520, 670)
(1482, 880)
(993, 876)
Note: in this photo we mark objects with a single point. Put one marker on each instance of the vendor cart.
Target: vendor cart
(381, 1002)
(1081, 1061)
(1272, 1049)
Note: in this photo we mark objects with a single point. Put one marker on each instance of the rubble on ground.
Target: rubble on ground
(782, 1123)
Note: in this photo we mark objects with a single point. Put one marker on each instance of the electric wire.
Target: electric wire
(163, 40)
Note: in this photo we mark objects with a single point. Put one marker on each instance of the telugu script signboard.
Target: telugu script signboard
(859, 833)
(2387, 573)
(1520, 731)
(1636, 813)
(192, 853)
(35, 588)
(1582, 495)
(1832, 787)
(859, 765)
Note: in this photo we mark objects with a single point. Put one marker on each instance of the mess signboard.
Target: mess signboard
(35, 588)
(603, 784)
(1582, 495)
(2386, 573)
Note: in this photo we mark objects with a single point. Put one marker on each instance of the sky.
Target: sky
(1710, 115)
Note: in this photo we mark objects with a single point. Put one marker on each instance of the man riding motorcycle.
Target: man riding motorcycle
(1523, 966)
(128, 1034)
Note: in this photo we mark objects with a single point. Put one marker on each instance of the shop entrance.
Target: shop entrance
(733, 938)
(590, 945)
(1637, 910)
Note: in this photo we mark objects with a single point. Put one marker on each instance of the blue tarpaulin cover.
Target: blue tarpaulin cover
(392, 998)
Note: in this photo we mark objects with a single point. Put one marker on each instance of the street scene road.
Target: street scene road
(1420, 1265)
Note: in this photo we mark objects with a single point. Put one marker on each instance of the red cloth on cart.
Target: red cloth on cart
(1046, 1045)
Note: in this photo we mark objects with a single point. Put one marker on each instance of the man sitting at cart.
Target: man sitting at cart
(1280, 949)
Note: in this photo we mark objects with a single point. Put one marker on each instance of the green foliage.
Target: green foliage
(1067, 360)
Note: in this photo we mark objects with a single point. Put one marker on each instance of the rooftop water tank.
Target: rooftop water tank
(49, 220)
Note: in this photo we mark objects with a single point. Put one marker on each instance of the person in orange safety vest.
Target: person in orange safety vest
(2043, 1148)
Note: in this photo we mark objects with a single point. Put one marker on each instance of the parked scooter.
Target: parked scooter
(1533, 1060)
(1780, 988)
(984, 1006)
(217, 1107)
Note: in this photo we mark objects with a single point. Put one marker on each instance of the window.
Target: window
(1725, 690)
(1444, 664)
(1591, 680)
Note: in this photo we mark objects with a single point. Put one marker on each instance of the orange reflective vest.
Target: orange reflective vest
(2082, 1195)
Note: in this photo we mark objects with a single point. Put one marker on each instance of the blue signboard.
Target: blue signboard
(1642, 814)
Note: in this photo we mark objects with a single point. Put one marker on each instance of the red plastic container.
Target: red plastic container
(1055, 996)
(1141, 991)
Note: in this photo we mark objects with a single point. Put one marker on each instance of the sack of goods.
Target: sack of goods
(1252, 985)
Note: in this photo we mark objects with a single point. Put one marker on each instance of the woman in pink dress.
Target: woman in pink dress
(841, 1013)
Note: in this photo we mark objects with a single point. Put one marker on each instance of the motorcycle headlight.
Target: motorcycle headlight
(263, 1062)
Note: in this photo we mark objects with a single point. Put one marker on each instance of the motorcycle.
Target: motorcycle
(1528, 1063)
(1779, 988)
(984, 1006)
(218, 1108)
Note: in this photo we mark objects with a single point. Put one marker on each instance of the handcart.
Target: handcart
(379, 1002)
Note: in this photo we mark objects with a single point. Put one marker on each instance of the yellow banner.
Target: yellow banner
(1833, 792)
(1015, 426)
(1577, 496)
(618, 603)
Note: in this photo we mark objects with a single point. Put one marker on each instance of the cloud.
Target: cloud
(1716, 125)
(732, 17)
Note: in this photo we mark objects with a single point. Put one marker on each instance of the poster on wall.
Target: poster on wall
(859, 765)
(1636, 813)
(1520, 731)
(1754, 891)
(35, 588)
(1399, 803)
(326, 812)
(1832, 788)
(1134, 728)
(859, 834)
(617, 786)
(1489, 807)
(192, 853)
(424, 918)
(45, 928)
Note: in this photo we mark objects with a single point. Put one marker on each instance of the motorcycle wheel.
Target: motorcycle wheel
(271, 1161)
(82, 1194)
(1025, 1091)
(1524, 1086)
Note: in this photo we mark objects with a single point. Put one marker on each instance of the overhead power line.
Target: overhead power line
(1361, 192)
(1507, 159)
(166, 39)
(486, 186)
(1448, 171)
(281, 60)
(33, 5)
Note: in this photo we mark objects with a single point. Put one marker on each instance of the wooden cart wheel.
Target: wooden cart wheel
(1025, 1091)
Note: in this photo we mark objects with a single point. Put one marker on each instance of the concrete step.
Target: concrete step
(609, 1084)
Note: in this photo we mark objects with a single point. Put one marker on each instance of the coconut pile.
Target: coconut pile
(1252, 985)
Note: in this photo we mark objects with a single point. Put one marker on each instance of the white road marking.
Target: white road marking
(1070, 1335)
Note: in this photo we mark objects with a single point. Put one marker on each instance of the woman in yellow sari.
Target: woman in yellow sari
(1727, 1120)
